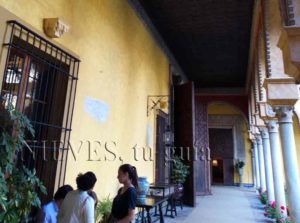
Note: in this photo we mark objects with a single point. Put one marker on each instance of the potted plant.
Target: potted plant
(239, 166)
(179, 174)
(103, 210)
(18, 184)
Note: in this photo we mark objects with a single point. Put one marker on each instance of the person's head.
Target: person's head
(61, 193)
(86, 182)
(128, 174)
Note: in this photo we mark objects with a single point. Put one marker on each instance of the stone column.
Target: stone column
(261, 164)
(268, 164)
(256, 164)
(253, 168)
(285, 120)
(277, 165)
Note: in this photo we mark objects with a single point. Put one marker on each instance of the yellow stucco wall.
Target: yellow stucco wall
(297, 138)
(225, 109)
(121, 65)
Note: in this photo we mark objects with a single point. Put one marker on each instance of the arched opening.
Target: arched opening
(228, 142)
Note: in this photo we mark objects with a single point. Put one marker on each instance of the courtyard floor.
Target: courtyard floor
(226, 205)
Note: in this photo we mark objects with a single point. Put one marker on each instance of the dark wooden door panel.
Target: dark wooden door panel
(184, 108)
(160, 170)
(228, 171)
(203, 179)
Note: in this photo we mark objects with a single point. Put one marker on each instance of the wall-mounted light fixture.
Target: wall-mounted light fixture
(168, 137)
(157, 102)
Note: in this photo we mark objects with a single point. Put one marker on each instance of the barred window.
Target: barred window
(40, 80)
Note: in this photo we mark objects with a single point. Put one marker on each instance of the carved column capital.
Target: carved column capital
(254, 141)
(258, 139)
(252, 153)
(265, 110)
(264, 133)
(272, 126)
(284, 113)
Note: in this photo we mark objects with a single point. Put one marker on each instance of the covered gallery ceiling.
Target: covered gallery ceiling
(209, 38)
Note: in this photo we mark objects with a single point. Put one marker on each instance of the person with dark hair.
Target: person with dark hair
(78, 206)
(123, 208)
(48, 213)
(95, 197)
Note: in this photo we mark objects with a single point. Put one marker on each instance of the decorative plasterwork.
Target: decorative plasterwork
(259, 122)
(259, 70)
(236, 123)
(55, 27)
(289, 43)
(265, 111)
(256, 91)
(267, 37)
(282, 91)
(287, 10)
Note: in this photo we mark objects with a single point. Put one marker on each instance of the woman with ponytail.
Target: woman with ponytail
(124, 203)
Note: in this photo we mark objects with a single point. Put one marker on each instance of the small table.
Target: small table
(147, 204)
(167, 189)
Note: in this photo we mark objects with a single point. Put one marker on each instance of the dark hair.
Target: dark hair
(61, 193)
(86, 181)
(132, 173)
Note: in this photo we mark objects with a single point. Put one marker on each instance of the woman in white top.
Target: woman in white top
(78, 205)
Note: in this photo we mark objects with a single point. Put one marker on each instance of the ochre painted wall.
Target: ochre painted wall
(297, 138)
(225, 109)
(121, 65)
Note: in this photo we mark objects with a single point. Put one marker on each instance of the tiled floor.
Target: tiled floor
(226, 205)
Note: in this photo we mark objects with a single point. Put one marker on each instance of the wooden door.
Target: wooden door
(221, 145)
(184, 111)
(160, 167)
(203, 176)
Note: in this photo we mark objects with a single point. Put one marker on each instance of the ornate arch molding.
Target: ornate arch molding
(234, 122)
(265, 31)
(287, 12)
(261, 68)
(297, 112)
(289, 41)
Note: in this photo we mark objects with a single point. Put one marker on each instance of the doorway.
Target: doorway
(217, 171)
(161, 170)
(222, 155)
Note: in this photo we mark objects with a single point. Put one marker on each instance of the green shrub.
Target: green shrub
(103, 209)
(263, 197)
(18, 184)
(180, 171)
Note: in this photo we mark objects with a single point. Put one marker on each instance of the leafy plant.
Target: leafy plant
(239, 164)
(103, 209)
(281, 218)
(270, 210)
(17, 182)
(263, 197)
(180, 171)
